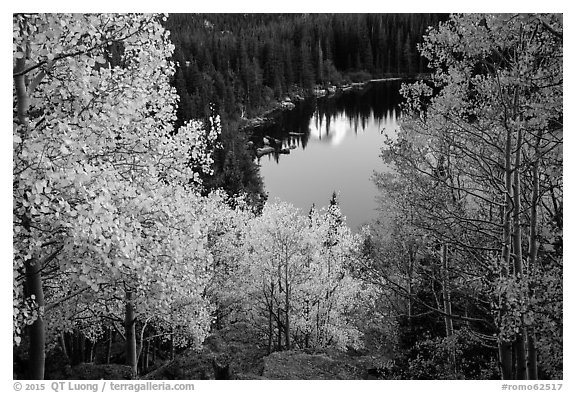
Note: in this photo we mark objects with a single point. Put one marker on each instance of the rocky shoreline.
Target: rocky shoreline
(263, 146)
(290, 100)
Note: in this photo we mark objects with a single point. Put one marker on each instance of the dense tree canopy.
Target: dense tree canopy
(113, 229)
(103, 190)
(241, 61)
(478, 182)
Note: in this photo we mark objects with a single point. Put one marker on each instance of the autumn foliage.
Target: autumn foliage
(117, 240)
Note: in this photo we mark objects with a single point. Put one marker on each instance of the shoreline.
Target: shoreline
(269, 115)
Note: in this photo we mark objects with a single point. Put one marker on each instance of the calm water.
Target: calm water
(337, 144)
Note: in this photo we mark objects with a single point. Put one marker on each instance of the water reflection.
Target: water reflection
(331, 144)
(333, 129)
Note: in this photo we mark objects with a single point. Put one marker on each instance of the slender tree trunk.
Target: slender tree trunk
(318, 330)
(410, 272)
(287, 300)
(307, 318)
(506, 359)
(82, 346)
(532, 358)
(91, 353)
(148, 344)
(87, 350)
(270, 328)
(140, 349)
(74, 348)
(447, 302)
(130, 332)
(279, 328)
(279, 315)
(36, 352)
(270, 318)
(62, 339)
(109, 346)
(69, 345)
(32, 267)
(145, 356)
(504, 346)
(446, 293)
(519, 345)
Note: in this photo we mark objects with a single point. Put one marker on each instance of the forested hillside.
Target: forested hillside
(242, 61)
(473, 229)
(242, 65)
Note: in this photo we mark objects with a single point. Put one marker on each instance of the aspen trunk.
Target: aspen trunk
(32, 267)
(89, 350)
(109, 346)
(446, 294)
(447, 302)
(130, 332)
(318, 331)
(532, 358)
(287, 298)
(62, 341)
(270, 329)
(506, 359)
(76, 348)
(82, 347)
(270, 319)
(519, 345)
(279, 329)
(36, 353)
(307, 319)
(146, 356)
(504, 346)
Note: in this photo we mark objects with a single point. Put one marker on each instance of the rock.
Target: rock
(303, 366)
(189, 365)
(100, 371)
(264, 150)
(268, 140)
(287, 105)
(269, 149)
(231, 353)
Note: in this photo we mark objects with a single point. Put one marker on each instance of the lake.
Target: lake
(334, 145)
